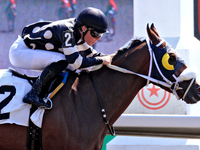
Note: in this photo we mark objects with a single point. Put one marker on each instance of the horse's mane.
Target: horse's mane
(131, 44)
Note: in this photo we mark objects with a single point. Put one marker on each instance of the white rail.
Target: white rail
(181, 126)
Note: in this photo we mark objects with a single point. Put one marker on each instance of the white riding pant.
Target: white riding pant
(23, 57)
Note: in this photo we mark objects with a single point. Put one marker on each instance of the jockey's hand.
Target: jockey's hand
(106, 59)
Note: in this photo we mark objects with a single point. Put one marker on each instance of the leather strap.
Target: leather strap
(34, 138)
(110, 128)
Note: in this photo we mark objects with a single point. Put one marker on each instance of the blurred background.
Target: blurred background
(29, 11)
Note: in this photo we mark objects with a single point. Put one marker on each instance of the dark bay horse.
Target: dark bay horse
(75, 121)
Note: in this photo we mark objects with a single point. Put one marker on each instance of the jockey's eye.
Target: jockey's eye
(95, 34)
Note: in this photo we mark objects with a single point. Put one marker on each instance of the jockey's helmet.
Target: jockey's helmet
(93, 18)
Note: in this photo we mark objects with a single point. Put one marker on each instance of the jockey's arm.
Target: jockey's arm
(77, 61)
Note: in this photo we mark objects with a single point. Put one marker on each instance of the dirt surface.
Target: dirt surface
(29, 11)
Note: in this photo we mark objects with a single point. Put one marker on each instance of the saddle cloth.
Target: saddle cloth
(13, 87)
(12, 109)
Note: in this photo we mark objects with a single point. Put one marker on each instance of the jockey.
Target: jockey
(55, 46)
(111, 13)
(11, 14)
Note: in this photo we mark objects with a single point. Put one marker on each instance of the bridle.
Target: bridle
(173, 86)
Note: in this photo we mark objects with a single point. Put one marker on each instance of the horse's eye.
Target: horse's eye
(172, 58)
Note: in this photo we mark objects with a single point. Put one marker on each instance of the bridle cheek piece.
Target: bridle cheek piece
(173, 86)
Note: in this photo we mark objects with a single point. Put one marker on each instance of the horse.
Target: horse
(75, 121)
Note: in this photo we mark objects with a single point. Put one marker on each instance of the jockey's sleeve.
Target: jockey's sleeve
(91, 61)
(86, 50)
(95, 53)
(77, 61)
(80, 55)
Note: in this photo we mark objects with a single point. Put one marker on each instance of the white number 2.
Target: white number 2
(67, 41)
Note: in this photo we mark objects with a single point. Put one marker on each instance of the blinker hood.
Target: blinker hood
(166, 69)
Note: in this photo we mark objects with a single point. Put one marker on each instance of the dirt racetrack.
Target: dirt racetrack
(29, 11)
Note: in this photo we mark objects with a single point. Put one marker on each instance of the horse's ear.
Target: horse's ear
(154, 29)
(153, 37)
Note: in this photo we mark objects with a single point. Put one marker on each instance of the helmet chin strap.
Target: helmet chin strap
(84, 33)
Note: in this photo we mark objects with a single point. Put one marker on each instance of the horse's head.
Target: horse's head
(171, 69)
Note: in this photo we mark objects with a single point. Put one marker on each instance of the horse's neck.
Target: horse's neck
(118, 89)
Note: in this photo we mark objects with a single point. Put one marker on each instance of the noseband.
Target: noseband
(173, 86)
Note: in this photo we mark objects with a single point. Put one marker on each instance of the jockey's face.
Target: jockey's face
(88, 38)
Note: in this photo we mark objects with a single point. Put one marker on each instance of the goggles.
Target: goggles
(95, 34)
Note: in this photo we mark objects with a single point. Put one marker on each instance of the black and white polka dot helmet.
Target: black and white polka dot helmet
(93, 18)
